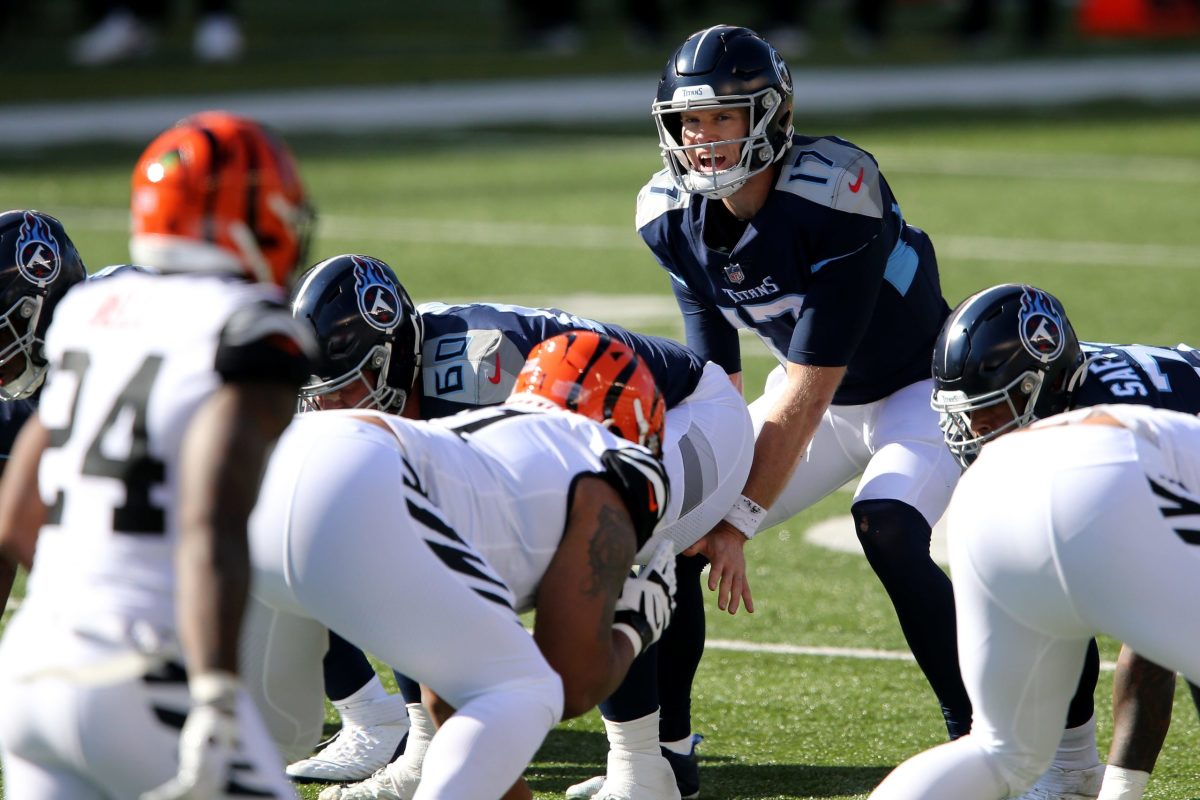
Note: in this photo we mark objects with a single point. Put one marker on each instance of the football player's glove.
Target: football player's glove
(648, 599)
(208, 742)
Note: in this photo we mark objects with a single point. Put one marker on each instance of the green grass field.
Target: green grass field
(1097, 206)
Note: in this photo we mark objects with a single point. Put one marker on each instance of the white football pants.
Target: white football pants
(894, 443)
(83, 719)
(708, 446)
(1054, 536)
(336, 544)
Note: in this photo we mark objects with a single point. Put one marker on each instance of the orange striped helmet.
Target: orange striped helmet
(599, 377)
(219, 193)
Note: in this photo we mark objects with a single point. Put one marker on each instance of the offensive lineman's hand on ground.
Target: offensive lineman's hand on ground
(647, 601)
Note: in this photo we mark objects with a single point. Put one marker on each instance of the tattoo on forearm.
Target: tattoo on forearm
(610, 552)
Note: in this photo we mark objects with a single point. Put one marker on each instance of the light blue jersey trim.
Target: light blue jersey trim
(903, 261)
(817, 266)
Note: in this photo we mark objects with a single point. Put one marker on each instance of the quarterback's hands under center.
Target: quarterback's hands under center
(723, 546)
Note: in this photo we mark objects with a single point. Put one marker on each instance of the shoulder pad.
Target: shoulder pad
(658, 197)
(641, 481)
(835, 174)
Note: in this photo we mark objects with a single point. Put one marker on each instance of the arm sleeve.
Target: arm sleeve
(262, 342)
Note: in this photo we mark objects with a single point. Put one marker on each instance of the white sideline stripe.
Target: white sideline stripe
(606, 237)
(861, 653)
(467, 105)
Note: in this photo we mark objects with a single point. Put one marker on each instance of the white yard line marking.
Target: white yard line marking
(861, 653)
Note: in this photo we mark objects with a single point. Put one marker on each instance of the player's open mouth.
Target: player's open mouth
(707, 162)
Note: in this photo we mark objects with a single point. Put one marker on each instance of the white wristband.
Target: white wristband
(746, 515)
(213, 687)
(634, 638)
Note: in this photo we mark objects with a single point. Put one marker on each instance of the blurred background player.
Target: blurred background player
(38, 264)
(453, 525)
(1096, 533)
(123, 30)
(470, 355)
(1007, 356)
(801, 240)
(135, 480)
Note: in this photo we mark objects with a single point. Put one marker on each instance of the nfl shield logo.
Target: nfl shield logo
(734, 273)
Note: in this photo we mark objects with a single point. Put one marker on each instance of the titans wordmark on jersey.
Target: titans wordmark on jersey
(827, 273)
(1163, 377)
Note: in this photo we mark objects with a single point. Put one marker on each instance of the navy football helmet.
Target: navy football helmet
(1008, 344)
(364, 322)
(38, 264)
(731, 67)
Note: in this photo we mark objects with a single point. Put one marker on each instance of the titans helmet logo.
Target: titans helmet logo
(781, 70)
(377, 300)
(37, 253)
(1041, 326)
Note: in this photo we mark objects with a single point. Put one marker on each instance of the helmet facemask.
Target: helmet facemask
(1021, 396)
(378, 394)
(22, 344)
(756, 151)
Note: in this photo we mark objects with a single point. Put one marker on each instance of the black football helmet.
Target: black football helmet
(364, 322)
(724, 66)
(38, 264)
(1008, 344)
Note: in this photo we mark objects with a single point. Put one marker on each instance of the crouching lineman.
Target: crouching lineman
(450, 528)
(377, 351)
(1007, 356)
(1097, 532)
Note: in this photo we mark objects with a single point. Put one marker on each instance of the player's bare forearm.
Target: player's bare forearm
(788, 429)
(577, 598)
(1143, 694)
(22, 512)
(223, 456)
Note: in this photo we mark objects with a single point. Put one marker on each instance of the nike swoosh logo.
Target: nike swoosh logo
(495, 376)
(854, 187)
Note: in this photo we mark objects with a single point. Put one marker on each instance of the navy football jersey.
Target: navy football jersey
(1163, 377)
(472, 353)
(827, 273)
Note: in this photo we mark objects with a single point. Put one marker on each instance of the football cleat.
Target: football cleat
(686, 769)
(218, 39)
(587, 789)
(390, 782)
(635, 776)
(1057, 783)
(354, 754)
(119, 36)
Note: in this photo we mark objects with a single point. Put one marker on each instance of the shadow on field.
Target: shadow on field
(568, 757)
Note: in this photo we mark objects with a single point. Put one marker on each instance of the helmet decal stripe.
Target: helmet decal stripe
(214, 182)
(252, 184)
(617, 388)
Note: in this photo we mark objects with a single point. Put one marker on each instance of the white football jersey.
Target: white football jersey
(132, 358)
(501, 477)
